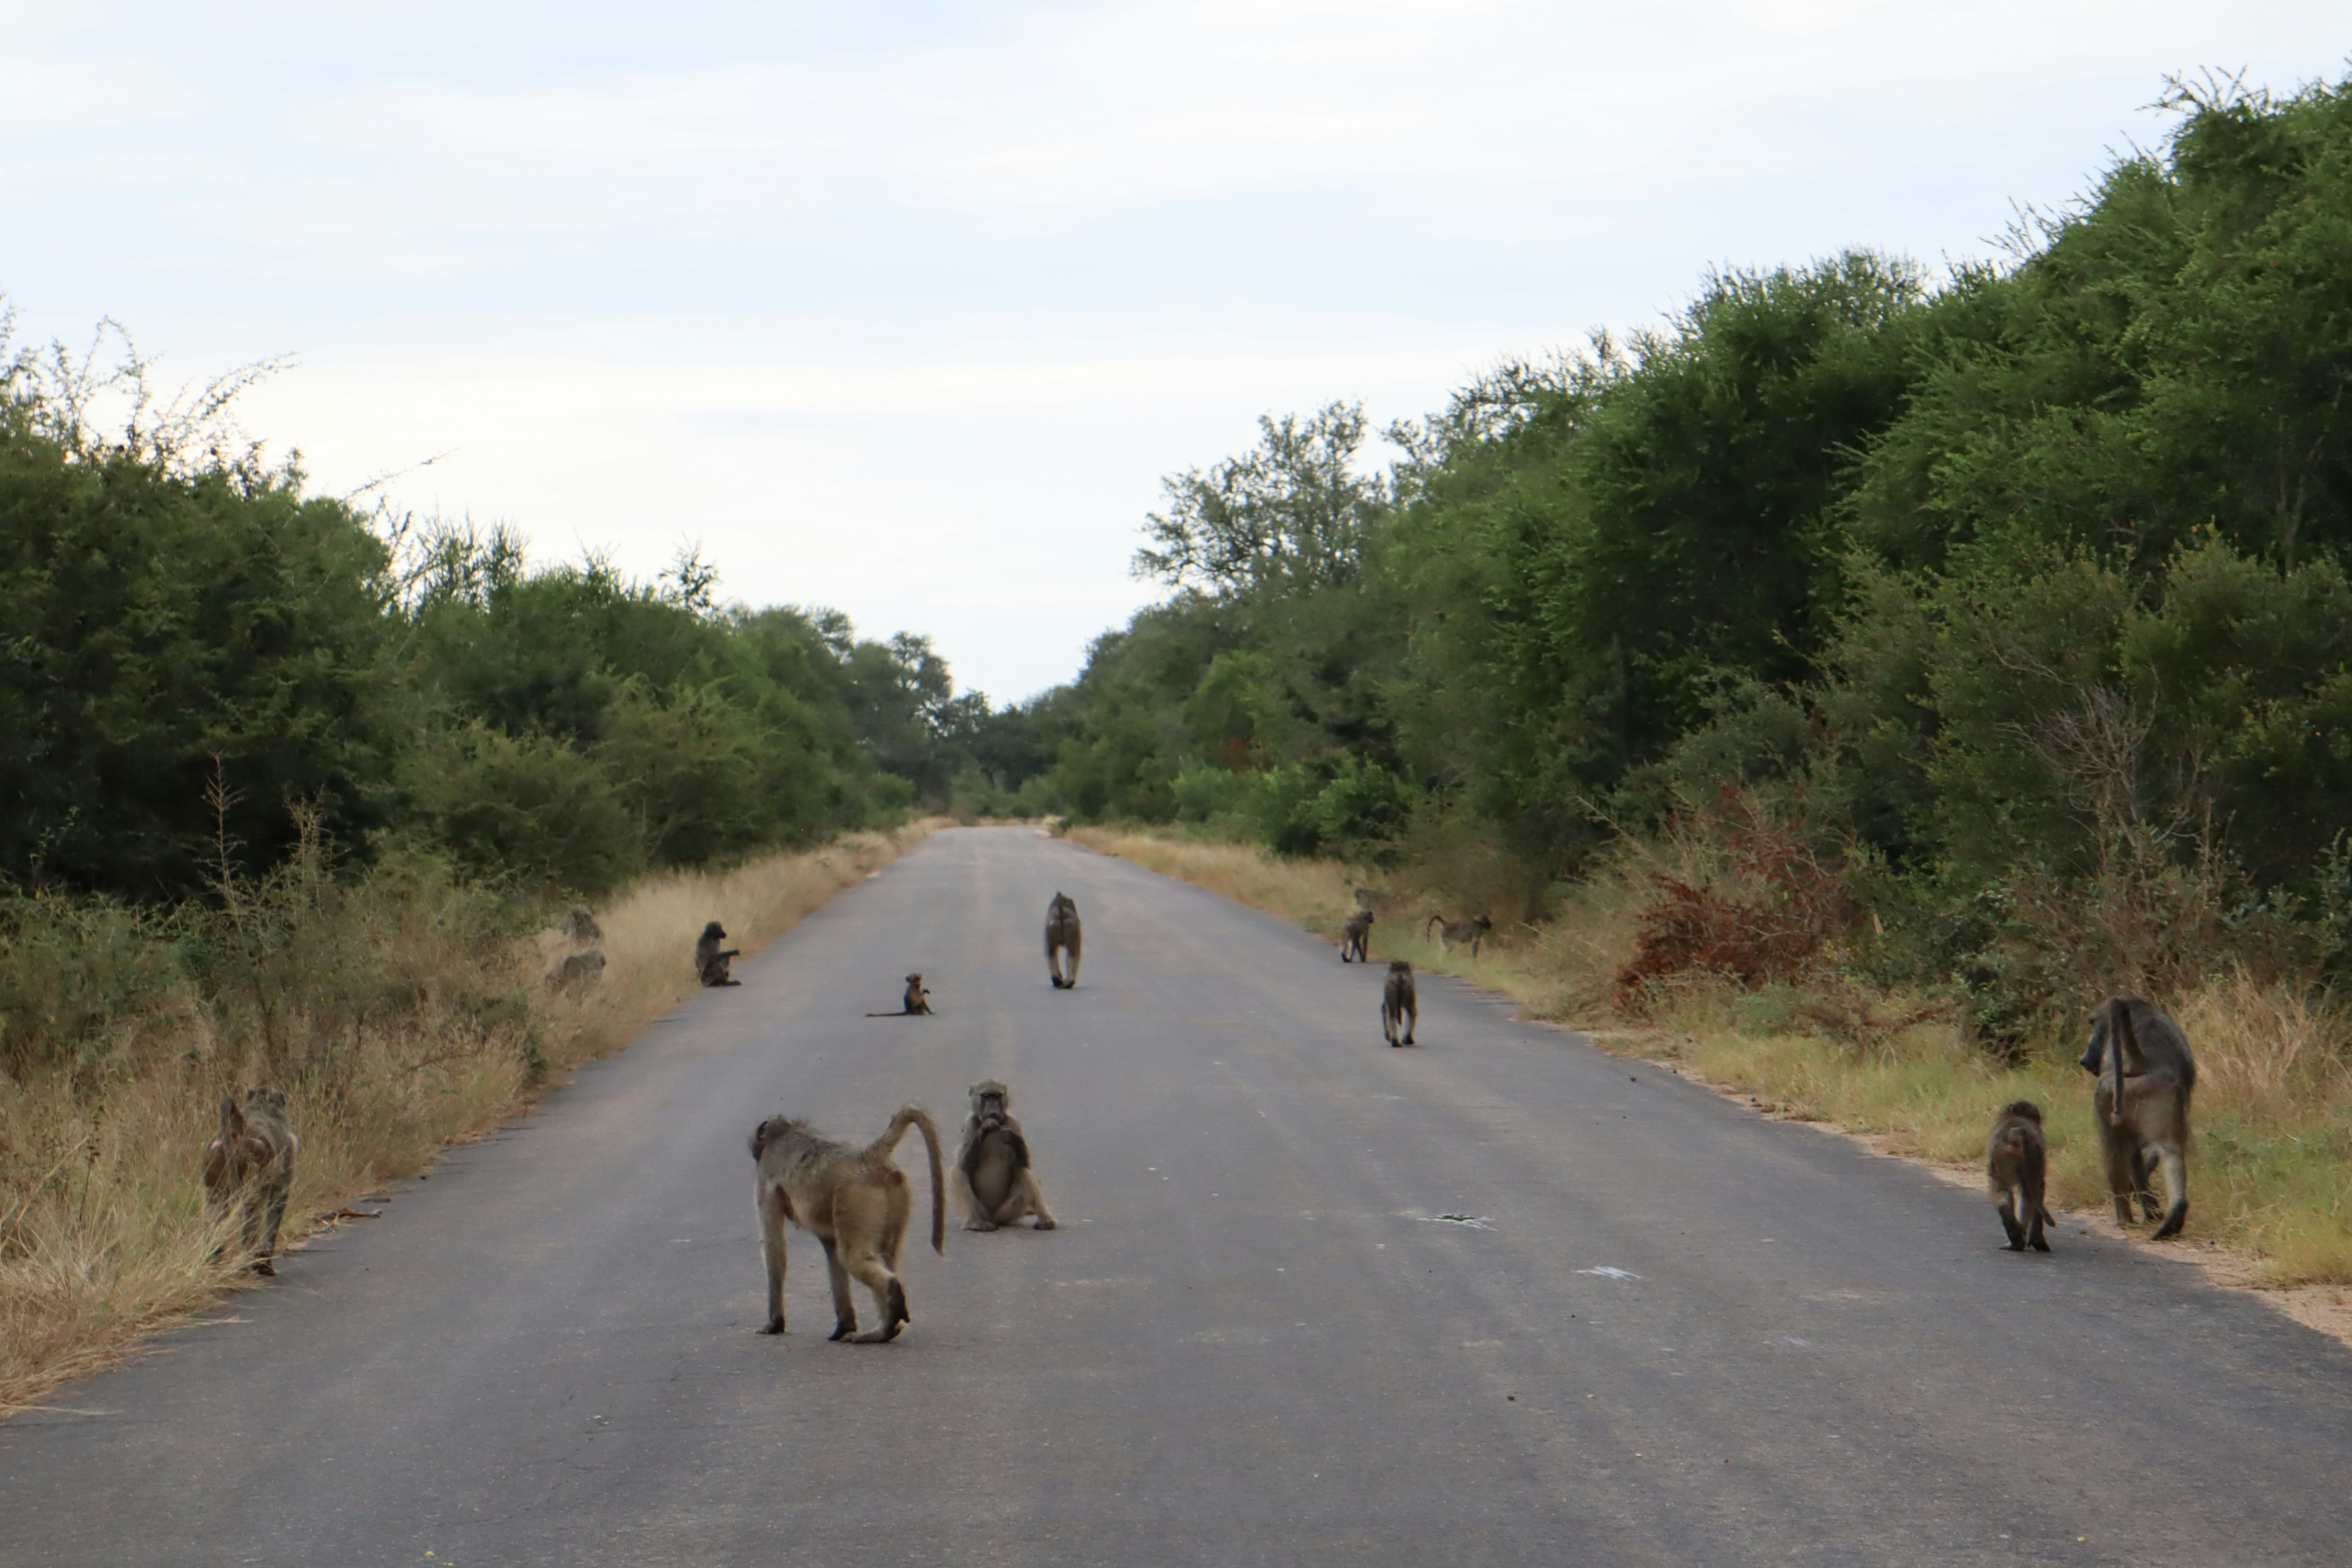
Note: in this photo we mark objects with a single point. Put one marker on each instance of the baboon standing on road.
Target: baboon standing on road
(1399, 1007)
(711, 961)
(2145, 1077)
(254, 1151)
(2015, 1161)
(855, 1203)
(993, 1183)
(1061, 936)
(1356, 937)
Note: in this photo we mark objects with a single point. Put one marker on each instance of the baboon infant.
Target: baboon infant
(1400, 1010)
(2145, 1078)
(993, 1182)
(1061, 936)
(1473, 931)
(2015, 1158)
(253, 1151)
(713, 962)
(855, 1202)
(917, 1003)
(1356, 937)
(577, 972)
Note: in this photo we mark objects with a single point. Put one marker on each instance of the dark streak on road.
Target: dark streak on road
(1251, 1343)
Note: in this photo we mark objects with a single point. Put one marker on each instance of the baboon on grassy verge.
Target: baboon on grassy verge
(915, 1005)
(2015, 1158)
(254, 1151)
(993, 1183)
(2145, 1077)
(712, 962)
(1473, 931)
(580, 927)
(855, 1203)
(1399, 1007)
(1356, 935)
(1061, 936)
(577, 972)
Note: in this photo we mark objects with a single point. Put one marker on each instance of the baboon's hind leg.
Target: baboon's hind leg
(844, 1310)
(2007, 1209)
(772, 1242)
(889, 1297)
(1025, 1199)
(2176, 1193)
(272, 1215)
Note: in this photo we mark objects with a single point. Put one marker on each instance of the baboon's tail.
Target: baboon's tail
(881, 1148)
(2126, 1040)
(1427, 923)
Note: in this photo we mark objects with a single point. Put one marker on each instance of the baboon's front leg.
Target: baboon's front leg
(845, 1310)
(772, 1242)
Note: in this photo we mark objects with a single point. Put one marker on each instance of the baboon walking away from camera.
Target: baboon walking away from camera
(1356, 938)
(2145, 1077)
(1061, 936)
(917, 1003)
(1473, 931)
(253, 1153)
(993, 1183)
(713, 962)
(2015, 1162)
(855, 1202)
(1400, 1010)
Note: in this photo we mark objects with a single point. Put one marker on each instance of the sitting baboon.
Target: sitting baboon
(1399, 1007)
(1061, 936)
(855, 1203)
(2015, 1162)
(1356, 936)
(713, 962)
(253, 1151)
(917, 1003)
(993, 1182)
(1473, 931)
(2146, 1076)
(580, 927)
(577, 972)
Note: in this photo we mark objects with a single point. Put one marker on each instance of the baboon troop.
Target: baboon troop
(855, 1202)
(2145, 1077)
(1473, 931)
(1400, 1010)
(2015, 1161)
(711, 961)
(1356, 937)
(917, 1003)
(993, 1182)
(1060, 937)
(577, 973)
(253, 1155)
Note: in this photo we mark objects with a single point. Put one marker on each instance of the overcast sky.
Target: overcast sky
(905, 308)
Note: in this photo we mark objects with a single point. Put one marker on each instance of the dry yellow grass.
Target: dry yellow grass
(103, 1236)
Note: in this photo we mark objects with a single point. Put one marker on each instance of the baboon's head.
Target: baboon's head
(991, 1102)
(915, 978)
(1398, 967)
(2025, 1109)
(714, 931)
(265, 1097)
(1484, 923)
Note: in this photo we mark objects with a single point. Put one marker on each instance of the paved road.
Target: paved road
(1676, 1335)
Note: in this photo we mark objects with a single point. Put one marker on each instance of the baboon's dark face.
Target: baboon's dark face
(990, 1103)
(713, 929)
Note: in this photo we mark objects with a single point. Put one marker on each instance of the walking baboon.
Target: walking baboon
(1356, 935)
(1399, 1007)
(713, 962)
(855, 1202)
(917, 1003)
(993, 1182)
(2015, 1160)
(581, 927)
(1473, 931)
(253, 1151)
(577, 972)
(2145, 1077)
(1061, 936)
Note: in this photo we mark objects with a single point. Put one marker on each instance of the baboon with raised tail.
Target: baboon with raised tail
(1061, 936)
(1473, 931)
(855, 1202)
(252, 1155)
(2145, 1077)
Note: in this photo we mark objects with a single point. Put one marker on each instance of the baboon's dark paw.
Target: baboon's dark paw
(843, 1331)
(266, 1266)
(2040, 1246)
(775, 1327)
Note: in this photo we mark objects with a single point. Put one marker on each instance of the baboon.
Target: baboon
(577, 972)
(1061, 936)
(917, 1003)
(855, 1203)
(1473, 931)
(581, 927)
(255, 1150)
(2146, 1076)
(993, 1183)
(2015, 1157)
(1399, 1007)
(1358, 934)
(711, 961)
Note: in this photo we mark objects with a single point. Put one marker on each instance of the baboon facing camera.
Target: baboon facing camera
(1356, 938)
(1061, 934)
(2015, 1162)
(1399, 1009)
(2145, 1077)
(253, 1153)
(993, 1183)
(855, 1202)
(712, 962)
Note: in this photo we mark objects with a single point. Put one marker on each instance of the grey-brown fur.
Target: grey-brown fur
(1356, 938)
(252, 1157)
(915, 1004)
(2145, 1077)
(712, 963)
(579, 928)
(1061, 936)
(2016, 1161)
(993, 1182)
(855, 1202)
(577, 973)
(1399, 1008)
(1472, 930)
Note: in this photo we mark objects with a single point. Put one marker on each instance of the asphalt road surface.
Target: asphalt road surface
(1669, 1332)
